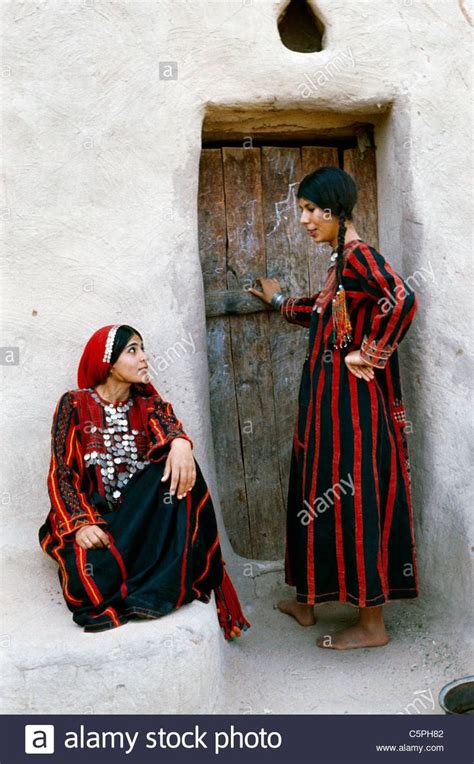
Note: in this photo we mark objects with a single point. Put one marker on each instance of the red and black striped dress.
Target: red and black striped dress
(349, 521)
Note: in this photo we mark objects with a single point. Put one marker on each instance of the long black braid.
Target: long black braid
(330, 188)
(340, 247)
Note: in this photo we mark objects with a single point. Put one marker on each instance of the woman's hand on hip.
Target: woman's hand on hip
(358, 366)
(269, 288)
(91, 537)
(181, 466)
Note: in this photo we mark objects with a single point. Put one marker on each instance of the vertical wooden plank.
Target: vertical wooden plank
(285, 240)
(313, 157)
(251, 351)
(284, 234)
(223, 401)
(362, 167)
(211, 220)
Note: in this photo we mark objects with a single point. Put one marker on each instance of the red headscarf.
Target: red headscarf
(95, 361)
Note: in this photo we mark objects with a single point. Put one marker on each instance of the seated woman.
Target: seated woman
(131, 525)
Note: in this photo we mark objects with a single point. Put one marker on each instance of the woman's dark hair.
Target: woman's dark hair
(332, 189)
(122, 336)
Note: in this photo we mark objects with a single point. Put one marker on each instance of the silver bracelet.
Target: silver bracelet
(277, 300)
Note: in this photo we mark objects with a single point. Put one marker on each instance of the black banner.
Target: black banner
(319, 739)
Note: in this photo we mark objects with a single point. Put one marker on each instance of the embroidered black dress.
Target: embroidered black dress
(349, 521)
(107, 464)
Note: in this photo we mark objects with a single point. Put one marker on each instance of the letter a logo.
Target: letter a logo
(39, 738)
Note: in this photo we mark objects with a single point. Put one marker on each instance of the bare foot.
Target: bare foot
(304, 614)
(354, 636)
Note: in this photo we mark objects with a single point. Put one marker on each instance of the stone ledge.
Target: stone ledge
(50, 665)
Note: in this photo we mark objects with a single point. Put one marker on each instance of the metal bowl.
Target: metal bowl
(458, 697)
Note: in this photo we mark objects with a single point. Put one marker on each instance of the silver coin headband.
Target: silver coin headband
(109, 343)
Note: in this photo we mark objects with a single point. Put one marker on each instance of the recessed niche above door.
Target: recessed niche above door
(300, 28)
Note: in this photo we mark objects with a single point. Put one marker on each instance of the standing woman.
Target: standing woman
(131, 523)
(349, 521)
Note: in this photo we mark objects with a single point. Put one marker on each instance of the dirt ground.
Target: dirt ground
(276, 667)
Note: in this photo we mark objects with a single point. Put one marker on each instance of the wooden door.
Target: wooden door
(248, 227)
